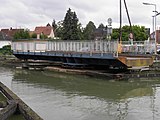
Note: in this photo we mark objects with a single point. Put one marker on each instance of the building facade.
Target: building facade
(44, 30)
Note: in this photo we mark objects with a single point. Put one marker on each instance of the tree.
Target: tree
(115, 34)
(139, 33)
(21, 34)
(34, 35)
(88, 33)
(54, 25)
(42, 36)
(71, 29)
(59, 28)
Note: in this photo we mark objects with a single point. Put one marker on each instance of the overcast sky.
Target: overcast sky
(31, 13)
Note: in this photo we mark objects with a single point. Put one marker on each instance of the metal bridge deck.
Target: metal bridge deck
(102, 54)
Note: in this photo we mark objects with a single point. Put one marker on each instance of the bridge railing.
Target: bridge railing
(66, 46)
(83, 46)
(141, 47)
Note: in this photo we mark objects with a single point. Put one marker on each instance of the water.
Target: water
(60, 96)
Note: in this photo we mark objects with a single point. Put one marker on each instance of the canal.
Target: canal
(61, 96)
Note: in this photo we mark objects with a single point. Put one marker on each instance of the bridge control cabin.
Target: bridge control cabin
(98, 54)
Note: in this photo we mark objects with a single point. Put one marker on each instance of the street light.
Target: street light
(154, 23)
(157, 13)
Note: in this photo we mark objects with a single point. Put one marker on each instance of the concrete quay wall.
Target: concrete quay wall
(16, 105)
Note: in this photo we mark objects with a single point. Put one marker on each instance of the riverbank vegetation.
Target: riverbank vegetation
(139, 33)
(6, 50)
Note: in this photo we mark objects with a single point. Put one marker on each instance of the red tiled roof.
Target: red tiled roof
(45, 30)
(6, 31)
(10, 32)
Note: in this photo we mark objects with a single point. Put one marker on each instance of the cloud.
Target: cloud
(30, 13)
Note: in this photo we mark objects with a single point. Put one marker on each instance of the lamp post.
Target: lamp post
(153, 26)
(154, 23)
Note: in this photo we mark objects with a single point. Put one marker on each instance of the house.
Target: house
(4, 39)
(152, 36)
(45, 30)
(100, 33)
(10, 32)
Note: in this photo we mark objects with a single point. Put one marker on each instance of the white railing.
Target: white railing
(142, 47)
(84, 46)
(66, 46)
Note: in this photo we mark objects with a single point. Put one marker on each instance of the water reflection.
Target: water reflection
(84, 85)
(74, 97)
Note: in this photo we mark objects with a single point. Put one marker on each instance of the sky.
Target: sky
(31, 13)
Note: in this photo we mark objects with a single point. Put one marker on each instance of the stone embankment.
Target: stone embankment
(14, 104)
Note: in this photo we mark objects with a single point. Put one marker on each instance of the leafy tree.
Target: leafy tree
(34, 35)
(54, 25)
(71, 29)
(67, 25)
(80, 33)
(58, 31)
(139, 33)
(42, 36)
(88, 31)
(21, 34)
(115, 34)
(76, 31)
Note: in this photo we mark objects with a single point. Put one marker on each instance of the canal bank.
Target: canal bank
(9, 61)
(14, 105)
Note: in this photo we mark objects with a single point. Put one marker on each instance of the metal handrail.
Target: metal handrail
(84, 46)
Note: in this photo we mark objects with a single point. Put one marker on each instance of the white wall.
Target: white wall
(51, 34)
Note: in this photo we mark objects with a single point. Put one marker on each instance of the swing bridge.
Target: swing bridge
(98, 54)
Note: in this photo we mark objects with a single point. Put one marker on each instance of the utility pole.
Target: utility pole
(120, 28)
